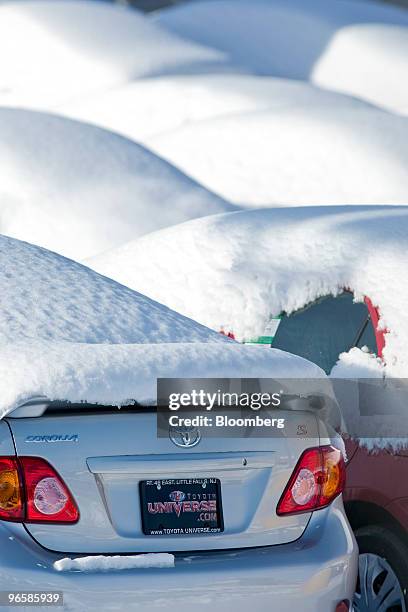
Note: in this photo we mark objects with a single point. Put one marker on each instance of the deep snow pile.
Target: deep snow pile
(356, 47)
(369, 61)
(358, 363)
(234, 271)
(78, 189)
(45, 296)
(53, 52)
(68, 333)
(309, 153)
(136, 109)
(115, 374)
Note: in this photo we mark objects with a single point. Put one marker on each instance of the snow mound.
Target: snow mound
(358, 364)
(355, 47)
(79, 190)
(309, 153)
(136, 109)
(53, 52)
(115, 374)
(69, 333)
(369, 61)
(234, 271)
(103, 563)
(47, 297)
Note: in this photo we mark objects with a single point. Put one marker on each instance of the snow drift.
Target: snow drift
(68, 333)
(355, 47)
(45, 296)
(78, 190)
(53, 52)
(234, 271)
(136, 109)
(117, 374)
(305, 153)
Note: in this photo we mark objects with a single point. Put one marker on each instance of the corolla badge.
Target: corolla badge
(185, 437)
(53, 438)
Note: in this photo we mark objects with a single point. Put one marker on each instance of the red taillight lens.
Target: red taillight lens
(317, 479)
(32, 491)
(47, 496)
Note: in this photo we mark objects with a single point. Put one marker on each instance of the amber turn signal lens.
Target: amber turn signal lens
(333, 473)
(11, 503)
(9, 491)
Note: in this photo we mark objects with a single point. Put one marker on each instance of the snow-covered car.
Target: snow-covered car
(78, 475)
(278, 155)
(376, 493)
(325, 283)
(65, 56)
(355, 47)
(129, 191)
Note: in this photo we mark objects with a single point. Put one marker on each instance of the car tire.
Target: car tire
(383, 562)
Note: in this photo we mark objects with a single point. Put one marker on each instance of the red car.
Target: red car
(376, 495)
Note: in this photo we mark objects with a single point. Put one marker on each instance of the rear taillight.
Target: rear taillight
(47, 497)
(32, 491)
(11, 492)
(317, 479)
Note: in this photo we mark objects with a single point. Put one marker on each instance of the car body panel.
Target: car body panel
(305, 561)
(398, 508)
(6, 441)
(312, 574)
(379, 477)
(103, 457)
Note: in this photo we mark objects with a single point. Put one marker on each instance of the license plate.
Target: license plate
(181, 506)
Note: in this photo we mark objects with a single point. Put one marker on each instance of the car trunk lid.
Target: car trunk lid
(103, 457)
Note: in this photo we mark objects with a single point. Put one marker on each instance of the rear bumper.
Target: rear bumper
(312, 574)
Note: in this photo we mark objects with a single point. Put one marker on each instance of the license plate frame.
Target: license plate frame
(181, 506)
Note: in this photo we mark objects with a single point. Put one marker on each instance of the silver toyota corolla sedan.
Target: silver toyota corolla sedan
(254, 524)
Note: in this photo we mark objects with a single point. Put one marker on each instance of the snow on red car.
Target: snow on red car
(326, 283)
